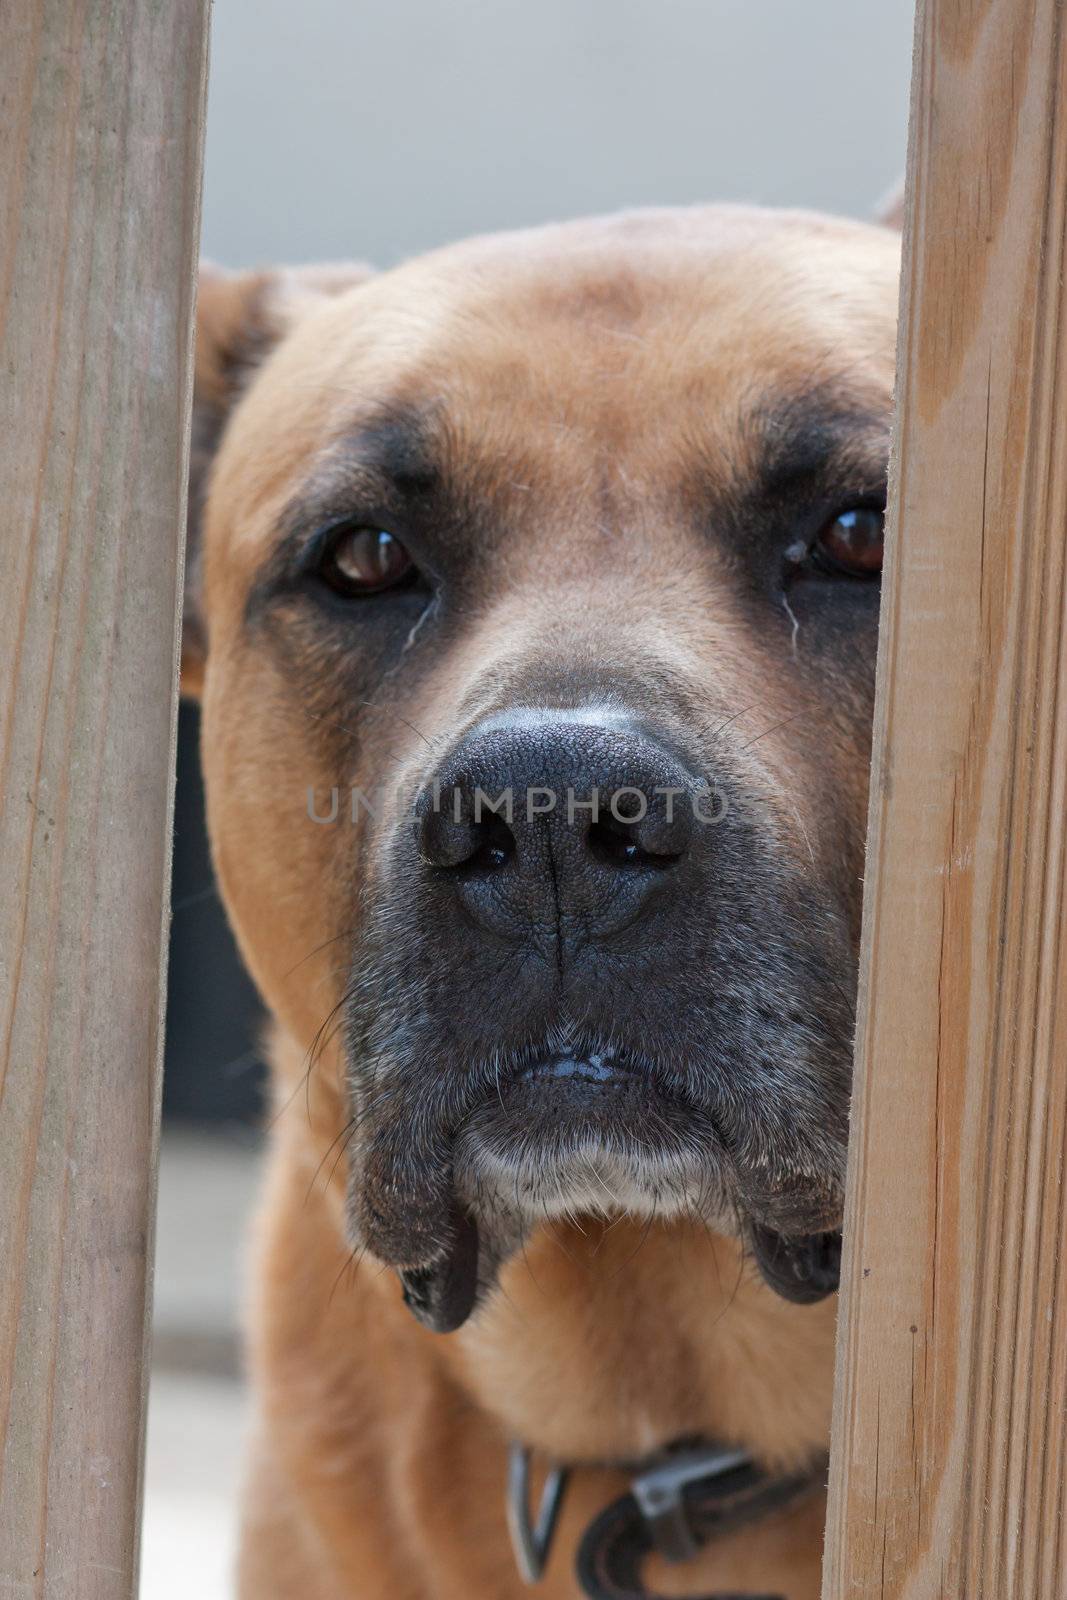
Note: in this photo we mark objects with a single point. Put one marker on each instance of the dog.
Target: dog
(532, 603)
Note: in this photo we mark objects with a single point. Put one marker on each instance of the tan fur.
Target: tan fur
(604, 363)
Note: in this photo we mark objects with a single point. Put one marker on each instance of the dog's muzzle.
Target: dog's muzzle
(588, 977)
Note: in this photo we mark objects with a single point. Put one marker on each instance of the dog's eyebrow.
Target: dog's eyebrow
(817, 435)
(387, 462)
(394, 450)
(398, 446)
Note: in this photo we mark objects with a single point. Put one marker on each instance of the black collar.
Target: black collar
(678, 1501)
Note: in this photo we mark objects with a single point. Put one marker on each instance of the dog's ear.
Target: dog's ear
(240, 317)
(890, 209)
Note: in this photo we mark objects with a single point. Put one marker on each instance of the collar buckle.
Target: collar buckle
(658, 1492)
(531, 1537)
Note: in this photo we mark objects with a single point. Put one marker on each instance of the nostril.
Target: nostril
(620, 844)
(614, 842)
(482, 846)
(494, 848)
(638, 833)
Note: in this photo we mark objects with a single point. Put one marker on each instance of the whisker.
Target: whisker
(774, 728)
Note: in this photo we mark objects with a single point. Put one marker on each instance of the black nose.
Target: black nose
(558, 824)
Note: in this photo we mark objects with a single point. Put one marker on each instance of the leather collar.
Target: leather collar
(678, 1501)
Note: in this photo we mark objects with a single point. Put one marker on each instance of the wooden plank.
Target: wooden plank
(102, 113)
(949, 1475)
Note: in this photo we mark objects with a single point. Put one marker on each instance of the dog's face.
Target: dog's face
(549, 566)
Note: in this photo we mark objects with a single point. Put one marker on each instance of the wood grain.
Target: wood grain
(949, 1473)
(101, 103)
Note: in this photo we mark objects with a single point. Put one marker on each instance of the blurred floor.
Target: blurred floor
(197, 1403)
(195, 1426)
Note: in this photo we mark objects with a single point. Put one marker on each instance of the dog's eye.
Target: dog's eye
(359, 560)
(852, 543)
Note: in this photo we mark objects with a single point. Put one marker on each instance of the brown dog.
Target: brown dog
(591, 515)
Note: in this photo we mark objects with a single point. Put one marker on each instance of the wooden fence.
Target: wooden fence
(102, 106)
(948, 1467)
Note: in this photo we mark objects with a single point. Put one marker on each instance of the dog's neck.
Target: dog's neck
(639, 1334)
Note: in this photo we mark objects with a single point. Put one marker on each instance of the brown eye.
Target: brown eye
(362, 561)
(852, 543)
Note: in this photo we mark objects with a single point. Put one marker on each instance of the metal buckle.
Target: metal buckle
(658, 1493)
(532, 1541)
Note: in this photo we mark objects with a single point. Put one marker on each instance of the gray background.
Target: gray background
(377, 128)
